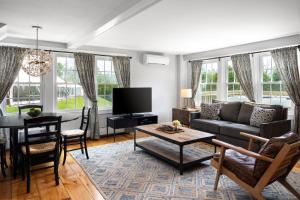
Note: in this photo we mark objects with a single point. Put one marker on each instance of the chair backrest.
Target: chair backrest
(51, 132)
(85, 119)
(28, 107)
(283, 162)
(1, 113)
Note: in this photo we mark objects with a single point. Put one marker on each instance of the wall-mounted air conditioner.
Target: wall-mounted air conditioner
(156, 59)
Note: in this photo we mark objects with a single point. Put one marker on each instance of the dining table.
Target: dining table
(15, 122)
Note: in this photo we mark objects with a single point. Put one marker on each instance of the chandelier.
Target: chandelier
(37, 62)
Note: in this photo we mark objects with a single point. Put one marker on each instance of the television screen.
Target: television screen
(132, 100)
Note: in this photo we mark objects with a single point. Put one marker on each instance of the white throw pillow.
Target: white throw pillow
(261, 115)
(210, 111)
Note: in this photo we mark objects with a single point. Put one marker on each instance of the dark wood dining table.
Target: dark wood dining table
(16, 123)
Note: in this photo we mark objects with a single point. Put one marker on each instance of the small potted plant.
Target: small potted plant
(176, 124)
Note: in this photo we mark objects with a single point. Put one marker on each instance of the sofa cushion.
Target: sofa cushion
(261, 115)
(230, 111)
(271, 149)
(241, 165)
(210, 111)
(207, 125)
(234, 129)
(245, 113)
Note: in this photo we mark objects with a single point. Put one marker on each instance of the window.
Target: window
(68, 88)
(234, 91)
(273, 89)
(25, 90)
(106, 81)
(208, 82)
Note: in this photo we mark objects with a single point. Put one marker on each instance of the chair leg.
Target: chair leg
(85, 147)
(23, 167)
(28, 173)
(219, 170)
(56, 162)
(289, 188)
(2, 151)
(65, 150)
(81, 146)
(4, 154)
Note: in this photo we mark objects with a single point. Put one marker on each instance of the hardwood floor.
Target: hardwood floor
(74, 184)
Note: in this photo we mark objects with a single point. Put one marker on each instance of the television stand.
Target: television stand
(131, 121)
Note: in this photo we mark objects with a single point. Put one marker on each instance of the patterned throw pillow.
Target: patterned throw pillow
(210, 111)
(261, 115)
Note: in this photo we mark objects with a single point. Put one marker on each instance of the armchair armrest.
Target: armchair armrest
(242, 150)
(254, 137)
(275, 128)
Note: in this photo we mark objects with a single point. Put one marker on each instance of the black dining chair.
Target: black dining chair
(26, 107)
(76, 136)
(22, 109)
(41, 148)
(3, 141)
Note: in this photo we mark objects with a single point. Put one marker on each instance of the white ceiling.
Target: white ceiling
(62, 20)
(169, 26)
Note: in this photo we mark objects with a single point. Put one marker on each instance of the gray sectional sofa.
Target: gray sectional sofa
(235, 118)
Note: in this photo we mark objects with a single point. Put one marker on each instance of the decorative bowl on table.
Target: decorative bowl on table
(171, 129)
(34, 112)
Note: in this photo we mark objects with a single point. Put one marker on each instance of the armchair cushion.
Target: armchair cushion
(241, 165)
(271, 149)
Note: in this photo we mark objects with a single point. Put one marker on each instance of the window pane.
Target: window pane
(69, 90)
(106, 81)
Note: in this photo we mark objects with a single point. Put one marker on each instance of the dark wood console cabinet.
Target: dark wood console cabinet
(117, 122)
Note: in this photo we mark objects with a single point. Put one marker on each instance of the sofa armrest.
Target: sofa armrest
(275, 128)
(195, 115)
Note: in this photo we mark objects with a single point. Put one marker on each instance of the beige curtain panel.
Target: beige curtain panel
(242, 68)
(11, 59)
(122, 70)
(286, 62)
(85, 64)
(196, 72)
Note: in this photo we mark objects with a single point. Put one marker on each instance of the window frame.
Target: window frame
(55, 101)
(104, 58)
(217, 83)
(18, 83)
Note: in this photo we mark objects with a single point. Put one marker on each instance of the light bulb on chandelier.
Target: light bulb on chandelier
(37, 62)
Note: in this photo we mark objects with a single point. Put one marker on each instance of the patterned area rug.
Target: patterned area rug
(119, 172)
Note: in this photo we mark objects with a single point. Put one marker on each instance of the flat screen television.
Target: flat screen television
(132, 100)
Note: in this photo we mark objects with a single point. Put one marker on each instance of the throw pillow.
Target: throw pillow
(245, 113)
(230, 111)
(210, 111)
(261, 115)
(271, 149)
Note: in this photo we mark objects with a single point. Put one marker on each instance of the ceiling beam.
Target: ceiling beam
(119, 15)
(3, 31)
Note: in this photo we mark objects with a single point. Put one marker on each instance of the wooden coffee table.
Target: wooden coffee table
(181, 160)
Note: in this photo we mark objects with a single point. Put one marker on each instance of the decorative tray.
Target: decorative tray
(169, 129)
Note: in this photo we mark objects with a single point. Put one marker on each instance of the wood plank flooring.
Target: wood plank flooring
(74, 184)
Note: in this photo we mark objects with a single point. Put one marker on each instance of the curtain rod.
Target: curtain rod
(59, 51)
(219, 57)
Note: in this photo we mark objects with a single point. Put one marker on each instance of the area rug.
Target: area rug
(120, 173)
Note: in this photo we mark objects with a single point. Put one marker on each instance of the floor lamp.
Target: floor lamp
(186, 94)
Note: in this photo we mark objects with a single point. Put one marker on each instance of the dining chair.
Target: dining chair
(22, 109)
(76, 136)
(41, 148)
(3, 141)
(254, 171)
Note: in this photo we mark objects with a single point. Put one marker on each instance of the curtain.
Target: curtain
(11, 59)
(242, 68)
(122, 70)
(196, 71)
(286, 63)
(85, 64)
